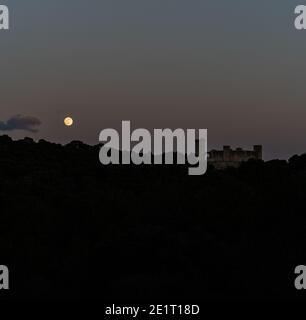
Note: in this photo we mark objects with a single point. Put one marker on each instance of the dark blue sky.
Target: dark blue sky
(234, 67)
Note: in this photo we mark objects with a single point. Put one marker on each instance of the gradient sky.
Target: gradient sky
(234, 67)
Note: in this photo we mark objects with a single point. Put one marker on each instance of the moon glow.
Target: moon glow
(68, 122)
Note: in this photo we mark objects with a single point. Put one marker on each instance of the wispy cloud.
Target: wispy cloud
(19, 122)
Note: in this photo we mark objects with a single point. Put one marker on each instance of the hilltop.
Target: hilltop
(72, 228)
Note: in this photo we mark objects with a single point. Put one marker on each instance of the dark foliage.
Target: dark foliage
(72, 228)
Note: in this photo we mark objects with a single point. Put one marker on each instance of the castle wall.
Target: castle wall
(233, 158)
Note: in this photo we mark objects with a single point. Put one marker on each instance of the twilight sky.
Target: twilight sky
(234, 67)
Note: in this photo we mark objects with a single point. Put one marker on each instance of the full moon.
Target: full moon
(68, 122)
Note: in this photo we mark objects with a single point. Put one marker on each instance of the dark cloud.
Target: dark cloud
(19, 122)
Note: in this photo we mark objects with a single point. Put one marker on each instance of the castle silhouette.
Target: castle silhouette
(228, 157)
